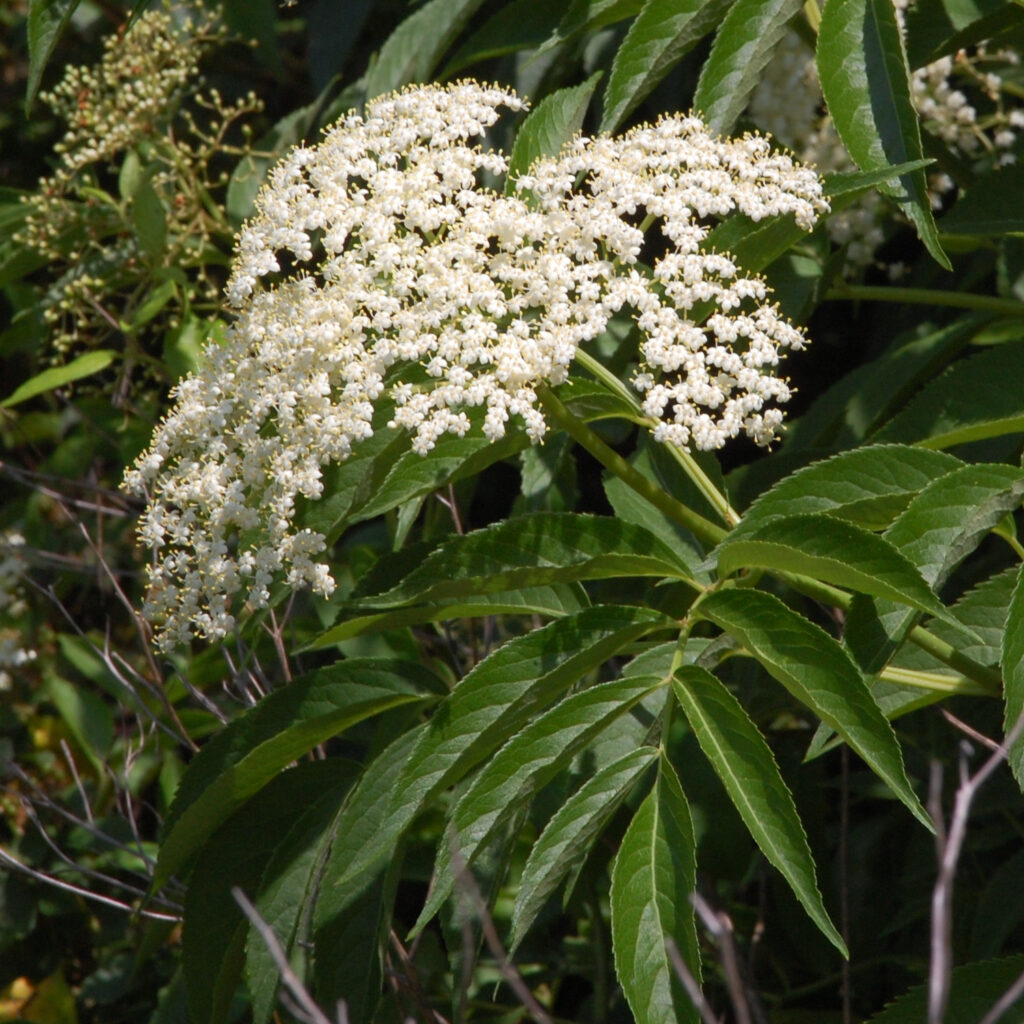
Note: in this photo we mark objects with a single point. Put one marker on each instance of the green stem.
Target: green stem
(700, 527)
(987, 678)
(927, 297)
(933, 682)
(700, 479)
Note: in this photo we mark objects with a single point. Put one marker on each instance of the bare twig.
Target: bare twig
(66, 751)
(948, 847)
(969, 730)
(508, 971)
(1005, 1001)
(57, 883)
(720, 927)
(689, 982)
(304, 1006)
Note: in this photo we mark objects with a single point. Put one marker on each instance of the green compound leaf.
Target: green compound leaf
(532, 550)
(569, 835)
(57, 376)
(745, 764)
(1013, 674)
(554, 122)
(742, 48)
(663, 32)
(495, 700)
(237, 854)
(866, 83)
(256, 745)
(523, 766)
(47, 20)
(412, 52)
(653, 877)
(939, 528)
(837, 552)
(290, 884)
(818, 673)
(969, 402)
(868, 486)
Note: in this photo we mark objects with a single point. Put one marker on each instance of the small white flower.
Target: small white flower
(402, 261)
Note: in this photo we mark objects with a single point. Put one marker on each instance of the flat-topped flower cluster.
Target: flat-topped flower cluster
(379, 248)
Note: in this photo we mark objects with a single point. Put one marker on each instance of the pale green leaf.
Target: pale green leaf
(938, 529)
(745, 764)
(551, 602)
(653, 878)
(532, 550)
(47, 20)
(829, 549)
(57, 376)
(496, 699)
(868, 486)
(525, 764)
(1013, 674)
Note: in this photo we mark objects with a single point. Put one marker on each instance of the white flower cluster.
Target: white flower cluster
(13, 652)
(378, 267)
(788, 103)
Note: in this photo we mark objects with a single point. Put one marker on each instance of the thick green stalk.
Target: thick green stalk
(927, 297)
(715, 498)
(986, 678)
(700, 527)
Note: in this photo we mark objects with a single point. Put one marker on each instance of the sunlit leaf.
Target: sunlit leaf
(568, 836)
(743, 46)
(663, 32)
(55, 377)
(745, 764)
(819, 674)
(866, 82)
(654, 876)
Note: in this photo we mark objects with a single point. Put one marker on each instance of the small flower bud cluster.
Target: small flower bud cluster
(788, 103)
(378, 268)
(13, 653)
(131, 120)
